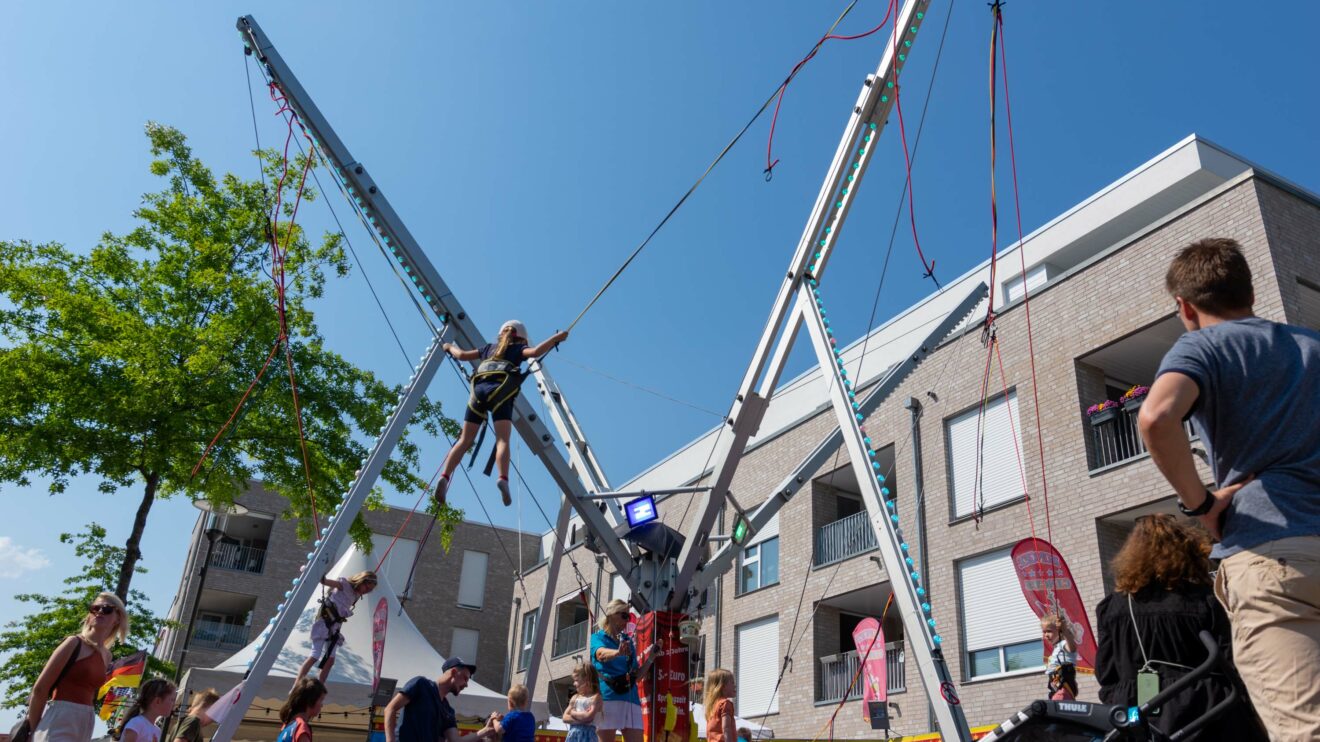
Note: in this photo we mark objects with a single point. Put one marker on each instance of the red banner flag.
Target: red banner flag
(379, 622)
(666, 716)
(1048, 587)
(869, 639)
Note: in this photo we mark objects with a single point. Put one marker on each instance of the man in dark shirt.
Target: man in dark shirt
(1252, 390)
(427, 715)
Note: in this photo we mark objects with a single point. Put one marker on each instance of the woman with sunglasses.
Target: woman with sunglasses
(74, 673)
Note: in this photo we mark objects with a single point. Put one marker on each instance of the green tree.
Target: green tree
(123, 362)
(32, 638)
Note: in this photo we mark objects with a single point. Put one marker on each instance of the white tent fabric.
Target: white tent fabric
(758, 731)
(407, 655)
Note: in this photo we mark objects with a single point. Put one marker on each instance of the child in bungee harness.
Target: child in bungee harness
(336, 608)
(495, 386)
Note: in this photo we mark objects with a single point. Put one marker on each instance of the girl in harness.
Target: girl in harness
(495, 385)
(335, 610)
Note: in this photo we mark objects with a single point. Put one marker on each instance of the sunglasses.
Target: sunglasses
(102, 608)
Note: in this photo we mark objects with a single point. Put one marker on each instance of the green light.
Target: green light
(884, 99)
(838, 204)
(889, 84)
(740, 531)
(913, 29)
(908, 43)
(845, 191)
(920, 16)
(872, 126)
(862, 151)
(856, 165)
(902, 57)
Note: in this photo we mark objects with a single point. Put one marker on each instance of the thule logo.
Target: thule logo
(1074, 708)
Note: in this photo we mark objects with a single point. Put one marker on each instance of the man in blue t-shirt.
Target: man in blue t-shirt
(427, 715)
(1252, 390)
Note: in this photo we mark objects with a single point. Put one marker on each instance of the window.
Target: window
(758, 667)
(528, 636)
(758, 566)
(619, 589)
(1000, 444)
(1001, 634)
(464, 644)
(1037, 276)
(472, 581)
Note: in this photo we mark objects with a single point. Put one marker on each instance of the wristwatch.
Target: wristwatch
(1201, 509)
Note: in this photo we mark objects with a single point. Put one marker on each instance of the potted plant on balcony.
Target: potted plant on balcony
(1132, 398)
(1102, 412)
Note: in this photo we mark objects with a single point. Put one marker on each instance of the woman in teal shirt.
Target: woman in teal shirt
(615, 659)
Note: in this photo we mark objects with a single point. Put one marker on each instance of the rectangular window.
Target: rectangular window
(619, 589)
(464, 644)
(1001, 634)
(996, 436)
(758, 667)
(472, 580)
(398, 563)
(528, 636)
(758, 565)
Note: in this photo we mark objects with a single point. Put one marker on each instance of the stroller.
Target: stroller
(1081, 721)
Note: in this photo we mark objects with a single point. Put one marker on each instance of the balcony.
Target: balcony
(571, 639)
(212, 634)
(239, 558)
(1116, 439)
(843, 539)
(837, 673)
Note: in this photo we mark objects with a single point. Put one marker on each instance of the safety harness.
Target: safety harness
(333, 623)
(508, 380)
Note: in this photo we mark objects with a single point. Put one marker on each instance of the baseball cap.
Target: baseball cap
(453, 662)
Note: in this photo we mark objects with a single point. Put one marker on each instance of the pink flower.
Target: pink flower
(1105, 405)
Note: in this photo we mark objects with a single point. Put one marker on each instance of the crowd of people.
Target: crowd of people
(1262, 605)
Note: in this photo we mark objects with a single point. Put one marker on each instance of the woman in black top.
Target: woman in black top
(494, 387)
(1163, 599)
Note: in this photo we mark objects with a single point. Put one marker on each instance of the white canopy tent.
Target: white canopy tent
(407, 654)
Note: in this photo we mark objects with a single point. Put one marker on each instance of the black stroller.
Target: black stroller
(1082, 721)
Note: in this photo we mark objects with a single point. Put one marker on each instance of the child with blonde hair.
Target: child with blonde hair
(518, 725)
(494, 388)
(580, 716)
(336, 608)
(720, 690)
(1061, 669)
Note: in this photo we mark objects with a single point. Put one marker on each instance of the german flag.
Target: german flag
(122, 680)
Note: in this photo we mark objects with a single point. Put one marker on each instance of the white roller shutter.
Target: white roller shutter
(758, 667)
(994, 611)
(1001, 432)
(619, 589)
(464, 644)
(770, 530)
(472, 581)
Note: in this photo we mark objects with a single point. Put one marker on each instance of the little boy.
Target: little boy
(518, 725)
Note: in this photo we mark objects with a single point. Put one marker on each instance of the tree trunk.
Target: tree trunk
(131, 551)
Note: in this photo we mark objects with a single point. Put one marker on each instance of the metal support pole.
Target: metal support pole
(304, 588)
(913, 406)
(213, 535)
(548, 598)
(833, 202)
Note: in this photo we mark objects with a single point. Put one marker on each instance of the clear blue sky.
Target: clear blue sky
(529, 146)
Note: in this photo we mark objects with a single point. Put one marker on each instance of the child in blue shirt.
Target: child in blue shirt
(518, 725)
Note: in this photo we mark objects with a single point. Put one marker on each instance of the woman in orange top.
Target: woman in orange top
(718, 700)
(74, 673)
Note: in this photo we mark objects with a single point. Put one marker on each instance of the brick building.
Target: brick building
(461, 601)
(1101, 322)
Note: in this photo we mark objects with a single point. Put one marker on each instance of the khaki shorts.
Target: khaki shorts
(63, 721)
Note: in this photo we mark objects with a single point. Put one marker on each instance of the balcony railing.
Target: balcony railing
(837, 672)
(571, 639)
(844, 538)
(1116, 439)
(241, 558)
(217, 635)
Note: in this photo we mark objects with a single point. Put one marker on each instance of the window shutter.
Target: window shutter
(758, 667)
(994, 611)
(619, 589)
(464, 644)
(1001, 479)
(770, 530)
(472, 581)
(397, 564)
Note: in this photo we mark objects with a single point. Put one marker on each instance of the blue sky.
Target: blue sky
(530, 146)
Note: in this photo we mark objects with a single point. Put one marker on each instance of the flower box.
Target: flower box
(1104, 415)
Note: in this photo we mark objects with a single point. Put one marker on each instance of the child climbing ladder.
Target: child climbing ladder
(495, 385)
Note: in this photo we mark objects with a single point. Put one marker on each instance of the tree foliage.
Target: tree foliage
(122, 362)
(32, 638)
